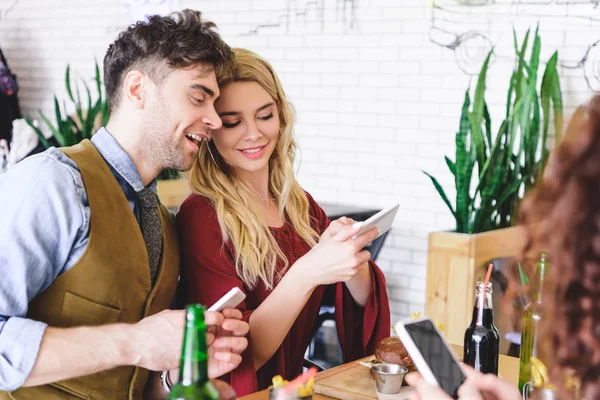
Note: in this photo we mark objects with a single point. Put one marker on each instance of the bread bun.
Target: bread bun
(391, 350)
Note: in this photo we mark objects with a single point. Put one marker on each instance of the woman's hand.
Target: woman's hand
(334, 259)
(334, 227)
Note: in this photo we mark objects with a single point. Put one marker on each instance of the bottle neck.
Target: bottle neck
(482, 313)
(538, 284)
(193, 368)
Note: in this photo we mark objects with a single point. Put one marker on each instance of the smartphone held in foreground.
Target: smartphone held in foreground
(431, 354)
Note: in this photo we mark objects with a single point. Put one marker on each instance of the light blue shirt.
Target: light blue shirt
(44, 230)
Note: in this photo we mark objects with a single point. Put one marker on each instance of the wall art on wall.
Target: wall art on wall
(300, 12)
(6, 7)
(468, 28)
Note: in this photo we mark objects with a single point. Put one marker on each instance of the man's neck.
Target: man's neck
(126, 136)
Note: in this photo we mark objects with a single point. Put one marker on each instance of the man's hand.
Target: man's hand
(157, 340)
(225, 337)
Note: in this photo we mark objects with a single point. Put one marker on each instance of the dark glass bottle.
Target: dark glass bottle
(533, 313)
(193, 369)
(482, 341)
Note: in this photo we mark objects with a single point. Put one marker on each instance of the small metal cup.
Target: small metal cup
(388, 377)
(542, 393)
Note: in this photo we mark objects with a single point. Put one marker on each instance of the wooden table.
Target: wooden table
(334, 381)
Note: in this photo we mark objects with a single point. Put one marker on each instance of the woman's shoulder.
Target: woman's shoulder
(195, 201)
(312, 203)
(316, 213)
(196, 205)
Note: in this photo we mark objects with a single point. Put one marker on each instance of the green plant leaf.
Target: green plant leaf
(451, 165)
(477, 115)
(105, 112)
(551, 93)
(488, 126)
(494, 160)
(88, 131)
(441, 192)
(463, 169)
(68, 82)
(39, 133)
(76, 130)
(57, 134)
(519, 74)
(64, 126)
(98, 80)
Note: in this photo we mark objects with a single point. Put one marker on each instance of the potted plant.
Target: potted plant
(88, 118)
(491, 175)
(70, 130)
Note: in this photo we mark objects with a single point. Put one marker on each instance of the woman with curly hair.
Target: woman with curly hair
(561, 217)
(249, 224)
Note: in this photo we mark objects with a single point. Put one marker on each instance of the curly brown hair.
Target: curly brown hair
(562, 218)
(176, 41)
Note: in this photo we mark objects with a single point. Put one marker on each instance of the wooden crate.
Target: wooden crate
(173, 192)
(455, 262)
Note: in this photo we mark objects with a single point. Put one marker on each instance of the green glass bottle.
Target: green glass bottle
(533, 313)
(193, 368)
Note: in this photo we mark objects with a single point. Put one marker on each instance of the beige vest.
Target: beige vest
(109, 284)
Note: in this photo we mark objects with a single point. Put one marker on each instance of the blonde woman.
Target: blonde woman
(250, 225)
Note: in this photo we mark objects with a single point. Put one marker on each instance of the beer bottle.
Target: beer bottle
(193, 369)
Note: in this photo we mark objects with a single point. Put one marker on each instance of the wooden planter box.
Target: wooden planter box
(173, 192)
(455, 262)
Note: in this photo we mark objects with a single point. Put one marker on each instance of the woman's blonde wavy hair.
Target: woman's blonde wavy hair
(256, 250)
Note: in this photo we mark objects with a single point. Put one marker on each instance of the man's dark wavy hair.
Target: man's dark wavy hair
(179, 40)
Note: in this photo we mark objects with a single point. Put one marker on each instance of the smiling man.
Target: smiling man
(89, 259)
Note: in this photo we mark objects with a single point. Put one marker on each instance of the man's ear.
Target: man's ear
(136, 88)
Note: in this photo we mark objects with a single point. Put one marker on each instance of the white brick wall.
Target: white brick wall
(377, 101)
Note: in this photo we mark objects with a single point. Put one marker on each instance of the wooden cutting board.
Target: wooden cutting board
(352, 381)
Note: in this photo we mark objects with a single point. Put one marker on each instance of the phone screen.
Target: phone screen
(437, 355)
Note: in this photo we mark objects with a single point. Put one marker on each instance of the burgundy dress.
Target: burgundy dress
(208, 272)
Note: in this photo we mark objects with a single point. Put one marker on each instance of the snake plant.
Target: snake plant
(493, 172)
(70, 130)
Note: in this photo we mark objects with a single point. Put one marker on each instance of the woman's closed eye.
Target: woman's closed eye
(229, 124)
(233, 124)
(266, 117)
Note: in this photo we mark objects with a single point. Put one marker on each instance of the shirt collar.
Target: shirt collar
(119, 160)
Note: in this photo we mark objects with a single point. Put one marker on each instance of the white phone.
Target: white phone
(431, 354)
(382, 220)
(231, 299)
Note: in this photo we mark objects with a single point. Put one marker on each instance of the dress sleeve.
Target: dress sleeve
(359, 328)
(208, 272)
